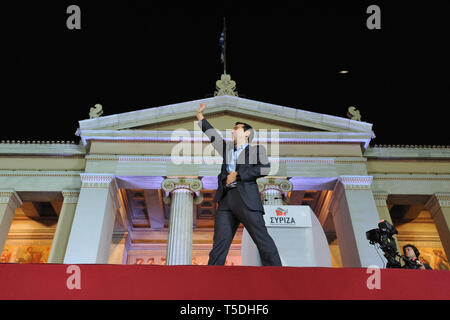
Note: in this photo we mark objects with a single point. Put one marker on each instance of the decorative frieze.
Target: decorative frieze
(348, 183)
(35, 142)
(443, 198)
(70, 196)
(407, 152)
(92, 180)
(380, 198)
(411, 183)
(101, 180)
(307, 161)
(350, 160)
(53, 149)
(214, 160)
(437, 201)
(407, 146)
(412, 178)
(36, 173)
(10, 197)
(356, 182)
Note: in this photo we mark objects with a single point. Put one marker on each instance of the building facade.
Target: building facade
(138, 188)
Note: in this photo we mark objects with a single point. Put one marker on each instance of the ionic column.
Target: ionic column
(9, 202)
(184, 192)
(354, 213)
(92, 228)
(439, 207)
(62, 233)
(273, 190)
(383, 211)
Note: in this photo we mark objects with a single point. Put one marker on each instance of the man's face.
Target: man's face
(409, 253)
(238, 134)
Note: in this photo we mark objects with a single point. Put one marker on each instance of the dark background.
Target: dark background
(132, 55)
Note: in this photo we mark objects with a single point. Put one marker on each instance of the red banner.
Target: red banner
(59, 281)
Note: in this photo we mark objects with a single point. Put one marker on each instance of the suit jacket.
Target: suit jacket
(252, 164)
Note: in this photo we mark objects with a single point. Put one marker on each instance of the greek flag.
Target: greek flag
(222, 45)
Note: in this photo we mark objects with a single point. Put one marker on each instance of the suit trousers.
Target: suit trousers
(230, 213)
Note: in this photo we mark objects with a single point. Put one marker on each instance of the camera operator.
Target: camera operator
(411, 255)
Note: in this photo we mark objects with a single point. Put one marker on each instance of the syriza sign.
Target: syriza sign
(287, 216)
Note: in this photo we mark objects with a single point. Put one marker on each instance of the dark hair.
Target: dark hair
(246, 127)
(416, 251)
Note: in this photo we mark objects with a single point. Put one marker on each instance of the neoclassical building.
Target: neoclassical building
(138, 188)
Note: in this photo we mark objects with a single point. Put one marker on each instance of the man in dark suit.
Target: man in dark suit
(238, 194)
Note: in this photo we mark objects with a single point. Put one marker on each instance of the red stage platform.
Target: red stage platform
(150, 282)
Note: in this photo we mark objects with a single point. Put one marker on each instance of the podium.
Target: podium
(298, 235)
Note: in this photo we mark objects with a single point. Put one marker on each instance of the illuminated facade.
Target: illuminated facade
(128, 193)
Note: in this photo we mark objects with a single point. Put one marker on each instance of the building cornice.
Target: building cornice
(412, 177)
(408, 146)
(211, 159)
(408, 152)
(38, 173)
(193, 136)
(41, 148)
(35, 142)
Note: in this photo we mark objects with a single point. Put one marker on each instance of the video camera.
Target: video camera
(383, 236)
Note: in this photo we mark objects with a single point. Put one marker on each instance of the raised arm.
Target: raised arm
(200, 110)
(213, 135)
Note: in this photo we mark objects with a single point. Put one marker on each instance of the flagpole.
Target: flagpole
(224, 47)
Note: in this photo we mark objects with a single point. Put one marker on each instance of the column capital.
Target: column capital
(380, 198)
(356, 182)
(10, 197)
(102, 180)
(181, 184)
(437, 201)
(348, 183)
(274, 183)
(443, 198)
(97, 180)
(191, 184)
(70, 196)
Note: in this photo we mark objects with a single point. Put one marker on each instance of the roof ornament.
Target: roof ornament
(353, 113)
(225, 86)
(96, 111)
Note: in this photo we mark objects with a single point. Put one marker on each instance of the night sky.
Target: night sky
(130, 56)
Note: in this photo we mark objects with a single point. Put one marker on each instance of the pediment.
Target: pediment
(226, 119)
(223, 112)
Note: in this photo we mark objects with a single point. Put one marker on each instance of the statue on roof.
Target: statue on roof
(96, 111)
(354, 114)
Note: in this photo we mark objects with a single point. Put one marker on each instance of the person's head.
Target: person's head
(411, 251)
(242, 133)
